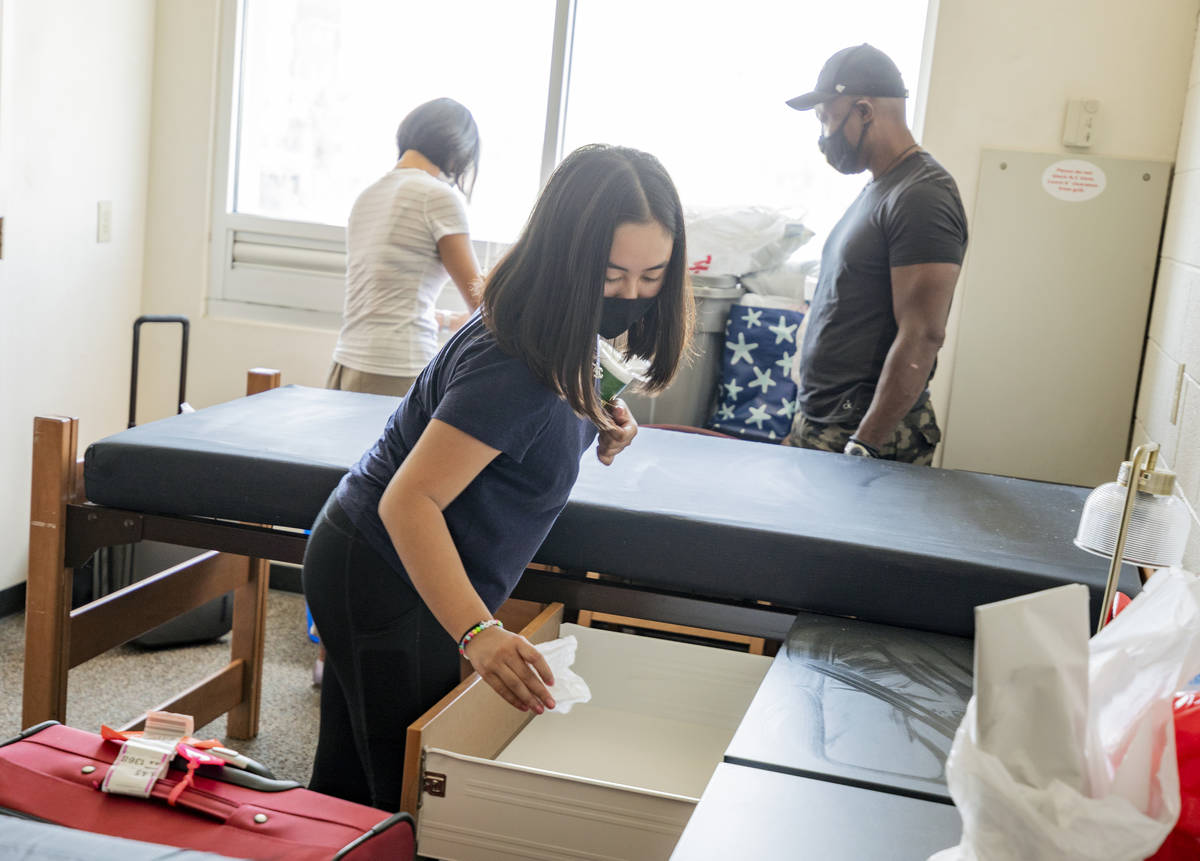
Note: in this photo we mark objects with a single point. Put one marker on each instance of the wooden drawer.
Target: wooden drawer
(615, 778)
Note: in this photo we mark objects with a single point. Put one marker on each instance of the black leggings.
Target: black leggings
(387, 661)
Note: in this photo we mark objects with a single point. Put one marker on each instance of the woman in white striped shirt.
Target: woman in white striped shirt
(406, 235)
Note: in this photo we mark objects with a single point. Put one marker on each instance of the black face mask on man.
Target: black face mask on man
(837, 150)
(617, 315)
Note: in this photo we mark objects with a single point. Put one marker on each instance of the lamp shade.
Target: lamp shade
(1157, 532)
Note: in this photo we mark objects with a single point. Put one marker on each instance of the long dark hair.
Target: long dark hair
(543, 300)
(445, 133)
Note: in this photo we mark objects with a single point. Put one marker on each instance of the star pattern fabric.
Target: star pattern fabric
(741, 350)
(762, 379)
(757, 397)
(784, 331)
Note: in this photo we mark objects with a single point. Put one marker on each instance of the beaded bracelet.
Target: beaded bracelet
(482, 626)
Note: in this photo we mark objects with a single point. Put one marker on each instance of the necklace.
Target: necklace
(897, 159)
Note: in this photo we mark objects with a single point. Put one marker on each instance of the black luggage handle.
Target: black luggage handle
(137, 331)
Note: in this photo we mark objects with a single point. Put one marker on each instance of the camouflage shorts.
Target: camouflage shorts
(913, 441)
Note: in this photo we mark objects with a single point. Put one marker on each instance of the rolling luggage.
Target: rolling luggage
(113, 568)
(53, 773)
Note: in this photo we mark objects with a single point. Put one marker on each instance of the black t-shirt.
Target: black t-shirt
(501, 518)
(910, 215)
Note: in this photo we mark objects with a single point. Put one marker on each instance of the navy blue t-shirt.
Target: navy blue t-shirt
(501, 518)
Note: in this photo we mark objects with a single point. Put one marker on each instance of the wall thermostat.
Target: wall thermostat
(1079, 129)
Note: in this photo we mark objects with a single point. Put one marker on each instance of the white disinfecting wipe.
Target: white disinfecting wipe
(568, 688)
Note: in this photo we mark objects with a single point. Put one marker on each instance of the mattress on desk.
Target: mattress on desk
(720, 518)
(877, 540)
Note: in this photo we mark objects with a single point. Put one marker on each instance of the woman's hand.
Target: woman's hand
(610, 443)
(504, 661)
(451, 320)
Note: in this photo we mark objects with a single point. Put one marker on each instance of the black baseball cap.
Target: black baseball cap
(861, 70)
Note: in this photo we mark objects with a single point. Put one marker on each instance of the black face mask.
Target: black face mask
(841, 156)
(617, 315)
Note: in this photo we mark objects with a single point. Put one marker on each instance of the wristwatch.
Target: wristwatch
(858, 448)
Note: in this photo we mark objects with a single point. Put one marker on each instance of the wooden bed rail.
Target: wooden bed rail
(57, 638)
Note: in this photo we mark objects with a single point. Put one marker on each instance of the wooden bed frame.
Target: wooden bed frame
(65, 530)
(63, 533)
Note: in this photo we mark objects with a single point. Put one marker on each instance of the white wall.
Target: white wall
(1001, 74)
(177, 258)
(74, 130)
(1168, 410)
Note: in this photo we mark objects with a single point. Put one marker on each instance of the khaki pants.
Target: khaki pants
(913, 441)
(349, 380)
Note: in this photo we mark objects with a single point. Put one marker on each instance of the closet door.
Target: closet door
(1055, 305)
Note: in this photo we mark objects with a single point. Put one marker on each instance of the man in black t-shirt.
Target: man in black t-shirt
(887, 276)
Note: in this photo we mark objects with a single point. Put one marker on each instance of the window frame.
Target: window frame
(284, 271)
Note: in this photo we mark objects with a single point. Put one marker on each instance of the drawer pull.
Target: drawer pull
(434, 784)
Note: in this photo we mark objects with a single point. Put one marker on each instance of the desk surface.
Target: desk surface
(768, 816)
(862, 704)
(726, 519)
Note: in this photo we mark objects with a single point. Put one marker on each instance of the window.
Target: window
(702, 86)
(313, 91)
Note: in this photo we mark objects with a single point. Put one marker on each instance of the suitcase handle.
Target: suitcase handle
(183, 352)
(347, 852)
(33, 730)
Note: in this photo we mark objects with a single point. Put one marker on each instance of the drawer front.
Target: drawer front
(493, 812)
(472, 719)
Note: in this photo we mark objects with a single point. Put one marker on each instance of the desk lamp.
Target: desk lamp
(1141, 522)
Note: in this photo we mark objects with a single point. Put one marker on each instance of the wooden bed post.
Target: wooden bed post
(250, 612)
(48, 586)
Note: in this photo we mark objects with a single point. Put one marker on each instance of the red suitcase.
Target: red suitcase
(53, 772)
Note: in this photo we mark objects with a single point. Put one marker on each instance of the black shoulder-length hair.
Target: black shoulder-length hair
(542, 301)
(445, 133)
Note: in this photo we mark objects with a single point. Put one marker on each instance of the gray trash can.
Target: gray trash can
(690, 398)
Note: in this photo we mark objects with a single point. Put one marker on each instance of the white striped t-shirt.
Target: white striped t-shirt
(394, 274)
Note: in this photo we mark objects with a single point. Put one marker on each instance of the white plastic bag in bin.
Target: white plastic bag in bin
(738, 240)
(1127, 800)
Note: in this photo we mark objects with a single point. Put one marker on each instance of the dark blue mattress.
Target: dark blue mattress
(721, 518)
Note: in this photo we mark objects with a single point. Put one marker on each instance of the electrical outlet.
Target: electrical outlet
(104, 221)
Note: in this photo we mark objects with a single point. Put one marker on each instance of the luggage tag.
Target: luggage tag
(136, 768)
(144, 759)
(141, 760)
(165, 726)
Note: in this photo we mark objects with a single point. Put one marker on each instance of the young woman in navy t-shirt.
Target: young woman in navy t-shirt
(428, 533)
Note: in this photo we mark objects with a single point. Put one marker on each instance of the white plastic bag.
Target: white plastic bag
(796, 280)
(738, 240)
(1135, 665)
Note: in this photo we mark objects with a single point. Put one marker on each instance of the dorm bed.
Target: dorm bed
(696, 530)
